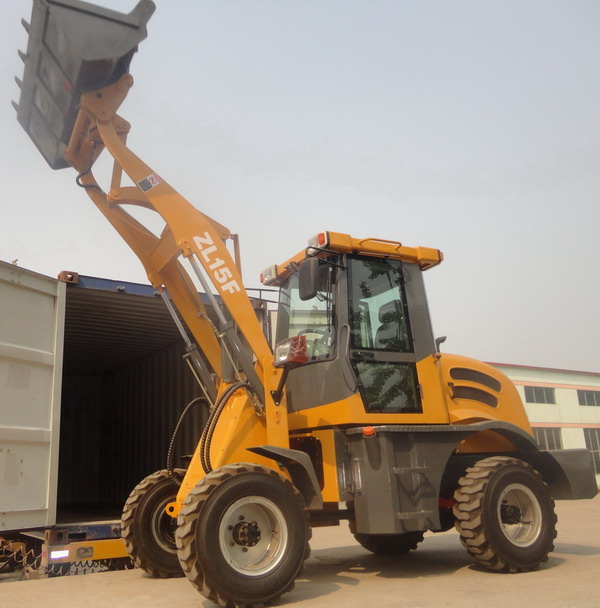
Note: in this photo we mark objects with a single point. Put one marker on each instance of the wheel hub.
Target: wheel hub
(246, 533)
(163, 526)
(510, 514)
(253, 535)
(520, 515)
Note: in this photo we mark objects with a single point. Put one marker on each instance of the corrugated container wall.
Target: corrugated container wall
(125, 385)
(116, 428)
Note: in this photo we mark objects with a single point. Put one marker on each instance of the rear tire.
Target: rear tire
(390, 544)
(242, 536)
(505, 515)
(148, 531)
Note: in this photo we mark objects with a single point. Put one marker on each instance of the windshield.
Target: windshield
(312, 318)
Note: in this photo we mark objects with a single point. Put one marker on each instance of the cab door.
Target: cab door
(390, 334)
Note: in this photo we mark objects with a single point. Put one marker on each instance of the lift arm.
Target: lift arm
(188, 232)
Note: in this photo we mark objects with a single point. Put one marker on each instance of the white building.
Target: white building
(563, 406)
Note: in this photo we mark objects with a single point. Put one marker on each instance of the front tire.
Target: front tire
(242, 536)
(148, 531)
(505, 515)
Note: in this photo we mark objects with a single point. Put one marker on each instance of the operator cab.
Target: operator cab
(362, 321)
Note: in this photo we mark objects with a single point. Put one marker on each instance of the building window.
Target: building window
(592, 443)
(539, 394)
(589, 397)
(548, 439)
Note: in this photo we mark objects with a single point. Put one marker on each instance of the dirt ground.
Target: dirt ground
(341, 574)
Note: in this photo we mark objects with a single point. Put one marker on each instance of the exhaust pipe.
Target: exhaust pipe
(73, 47)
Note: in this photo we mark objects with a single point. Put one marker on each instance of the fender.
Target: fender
(301, 469)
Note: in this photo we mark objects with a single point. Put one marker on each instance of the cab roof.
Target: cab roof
(337, 242)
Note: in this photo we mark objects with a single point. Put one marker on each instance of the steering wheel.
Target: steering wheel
(319, 346)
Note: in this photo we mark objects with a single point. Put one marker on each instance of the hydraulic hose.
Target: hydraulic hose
(187, 408)
(209, 429)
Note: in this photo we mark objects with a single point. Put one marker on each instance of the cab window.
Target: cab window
(312, 318)
(378, 311)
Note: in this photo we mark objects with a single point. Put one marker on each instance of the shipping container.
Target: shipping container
(92, 383)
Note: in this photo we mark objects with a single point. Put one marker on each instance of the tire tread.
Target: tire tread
(128, 519)
(469, 522)
(185, 536)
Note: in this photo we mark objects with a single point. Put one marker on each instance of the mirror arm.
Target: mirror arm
(278, 393)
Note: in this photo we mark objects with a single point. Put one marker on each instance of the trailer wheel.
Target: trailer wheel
(505, 515)
(243, 535)
(149, 533)
(390, 544)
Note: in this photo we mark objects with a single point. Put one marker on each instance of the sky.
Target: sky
(470, 126)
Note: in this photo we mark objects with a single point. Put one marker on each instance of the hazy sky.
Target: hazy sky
(469, 126)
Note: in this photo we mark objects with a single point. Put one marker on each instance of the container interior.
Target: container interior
(124, 387)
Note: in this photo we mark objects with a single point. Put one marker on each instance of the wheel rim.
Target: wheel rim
(163, 526)
(520, 515)
(253, 535)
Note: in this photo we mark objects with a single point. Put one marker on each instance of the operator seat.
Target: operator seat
(388, 334)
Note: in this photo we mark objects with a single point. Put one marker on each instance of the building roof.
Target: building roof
(550, 369)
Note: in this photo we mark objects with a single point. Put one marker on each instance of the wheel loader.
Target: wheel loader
(354, 416)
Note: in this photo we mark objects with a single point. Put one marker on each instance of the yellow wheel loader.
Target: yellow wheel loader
(355, 414)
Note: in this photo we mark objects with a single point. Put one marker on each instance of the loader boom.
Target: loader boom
(189, 235)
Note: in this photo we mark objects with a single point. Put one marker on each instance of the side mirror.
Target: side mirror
(439, 341)
(308, 278)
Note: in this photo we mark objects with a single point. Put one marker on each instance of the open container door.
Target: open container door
(31, 346)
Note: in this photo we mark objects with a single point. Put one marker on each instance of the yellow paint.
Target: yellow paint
(237, 429)
(464, 411)
(486, 441)
(109, 548)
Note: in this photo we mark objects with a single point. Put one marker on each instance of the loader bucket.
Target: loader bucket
(73, 47)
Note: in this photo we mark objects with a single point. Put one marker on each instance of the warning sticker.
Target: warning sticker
(149, 182)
